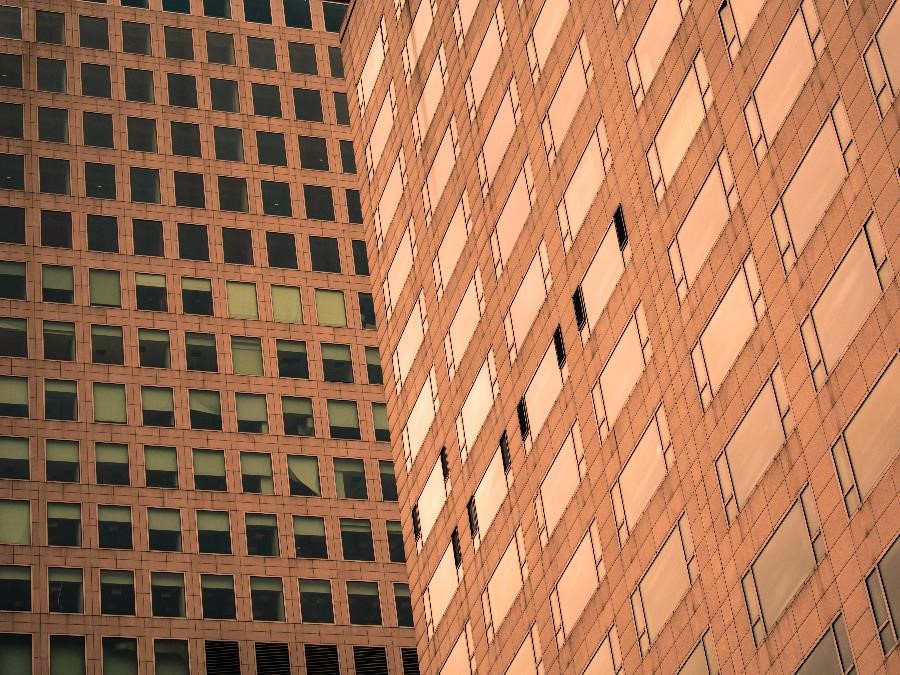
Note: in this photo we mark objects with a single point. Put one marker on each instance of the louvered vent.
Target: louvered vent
(222, 658)
(322, 660)
(410, 660)
(272, 658)
(370, 660)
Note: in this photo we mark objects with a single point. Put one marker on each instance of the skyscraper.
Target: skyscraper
(635, 273)
(194, 473)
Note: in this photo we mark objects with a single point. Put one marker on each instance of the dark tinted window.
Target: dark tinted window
(341, 108)
(237, 246)
(139, 85)
(281, 250)
(179, 43)
(50, 27)
(270, 148)
(193, 242)
(233, 194)
(319, 202)
(261, 53)
(266, 100)
(189, 190)
(56, 229)
(148, 237)
(95, 80)
(313, 153)
(141, 134)
(103, 233)
(54, 176)
(360, 258)
(324, 254)
(11, 120)
(303, 58)
(135, 38)
(354, 207)
(51, 74)
(93, 32)
(12, 224)
(229, 144)
(276, 198)
(182, 90)
(53, 125)
(336, 61)
(100, 180)
(144, 185)
(224, 95)
(308, 104)
(185, 139)
(98, 130)
(220, 48)
(297, 14)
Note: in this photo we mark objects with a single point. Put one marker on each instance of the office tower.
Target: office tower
(194, 476)
(635, 274)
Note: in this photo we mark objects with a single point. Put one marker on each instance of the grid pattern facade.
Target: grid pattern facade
(635, 269)
(194, 473)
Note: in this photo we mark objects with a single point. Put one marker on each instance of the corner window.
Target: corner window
(395, 541)
(381, 429)
(388, 480)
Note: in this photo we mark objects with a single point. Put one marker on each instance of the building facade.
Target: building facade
(194, 468)
(635, 278)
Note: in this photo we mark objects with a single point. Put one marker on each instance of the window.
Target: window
(498, 137)
(10, 22)
(100, 180)
(256, 473)
(15, 522)
(117, 592)
(161, 466)
(330, 308)
(315, 601)
(136, 38)
(651, 47)
(350, 478)
(193, 242)
(13, 396)
(246, 355)
(12, 279)
(54, 176)
(209, 470)
(431, 499)
(65, 590)
(366, 311)
(266, 100)
(241, 300)
(281, 250)
(50, 27)
(12, 172)
(150, 292)
(336, 61)
(148, 237)
(262, 534)
(220, 48)
(577, 584)
(106, 345)
(63, 524)
(303, 58)
(324, 254)
(182, 6)
(296, 14)
(309, 537)
(261, 53)
(93, 32)
(51, 74)
(205, 409)
(103, 233)
(56, 229)
(490, 493)
(200, 352)
(62, 461)
(257, 11)
(313, 153)
(395, 541)
(356, 539)
(67, 654)
(276, 198)
(220, 9)
(270, 148)
(882, 586)
(189, 190)
(286, 306)
(373, 366)
(233, 194)
(783, 565)
(144, 185)
(477, 405)
(11, 120)
(13, 337)
(364, 603)
(196, 296)
(112, 464)
(120, 655)
(153, 347)
(252, 416)
(114, 526)
(95, 80)
(831, 654)
(298, 416)
(403, 605)
(237, 246)
(308, 105)
(420, 418)
(229, 144)
(182, 90)
(217, 596)
(12, 225)
(382, 431)
(881, 62)
(213, 532)
(14, 458)
(343, 419)
(15, 584)
(185, 139)
(139, 85)
(224, 95)
(292, 359)
(468, 315)
(164, 525)
(388, 480)
(158, 407)
(303, 476)
(60, 400)
(53, 125)
(166, 600)
(267, 599)
(179, 43)
(337, 365)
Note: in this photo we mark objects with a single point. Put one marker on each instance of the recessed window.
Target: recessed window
(330, 308)
(56, 229)
(350, 478)
(251, 413)
(313, 153)
(12, 225)
(297, 14)
(12, 279)
(179, 43)
(336, 61)
(117, 593)
(217, 596)
(135, 38)
(246, 355)
(182, 90)
(148, 237)
(205, 409)
(233, 194)
(286, 306)
(292, 359)
(219, 9)
(209, 470)
(324, 254)
(354, 207)
(106, 345)
(103, 233)
(200, 352)
(403, 604)
(381, 428)
(196, 296)
(65, 587)
(62, 461)
(348, 157)
(185, 139)
(258, 11)
(112, 464)
(180, 6)
(303, 475)
(266, 100)
(276, 197)
(303, 58)
(270, 148)
(319, 202)
(261, 53)
(93, 32)
(54, 176)
(158, 407)
(213, 532)
(50, 27)
(281, 250)
(262, 534)
(267, 599)
(237, 246)
(167, 600)
(150, 292)
(14, 463)
(59, 341)
(120, 653)
(53, 125)
(114, 526)
(341, 109)
(297, 414)
(388, 480)
(315, 601)
(67, 654)
(60, 400)
(16, 518)
(15, 588)
(141, 134)
(10, 22)
(309, 537)
(12, 172)
(241, 300)
(189, 190)
(220, 48)
(144, 185)
(364, 603)
(139, 85)
(356, 539)
(51, 73)
(193, 242)
(164, 528)
(11, 125)
(95, 80)
(100, 180)
(105, 290)
(308, 104)
(334, 13)
(11, 71)
(366, 311)
(160, 467)
(153, 348)
(13, 337)
(337, 365)
(229, 144)
(373, 366)
(224, 95)
(109, 403)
